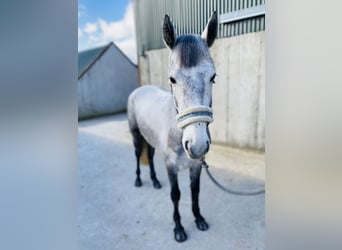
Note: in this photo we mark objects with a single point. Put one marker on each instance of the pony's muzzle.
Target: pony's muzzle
(196, 142)
(195, 154)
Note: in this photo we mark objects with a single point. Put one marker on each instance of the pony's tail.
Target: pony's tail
(144, 154)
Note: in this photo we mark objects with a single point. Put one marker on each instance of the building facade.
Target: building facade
(106, 78)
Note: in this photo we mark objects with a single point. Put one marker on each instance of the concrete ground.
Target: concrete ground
(114, 214)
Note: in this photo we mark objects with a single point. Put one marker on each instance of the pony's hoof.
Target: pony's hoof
(202, 224)
(180, 234)
(138, 183)
(156, 184)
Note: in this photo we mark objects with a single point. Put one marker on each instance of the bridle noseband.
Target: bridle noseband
(200, 113)
(194, 114)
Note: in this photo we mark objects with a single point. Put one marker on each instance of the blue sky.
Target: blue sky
(100, 22)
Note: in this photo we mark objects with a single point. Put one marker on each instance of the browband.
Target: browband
(194, 114)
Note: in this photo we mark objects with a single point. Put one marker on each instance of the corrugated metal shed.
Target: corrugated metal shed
(190, 16)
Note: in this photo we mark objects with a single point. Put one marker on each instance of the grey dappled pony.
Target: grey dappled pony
(176, 122)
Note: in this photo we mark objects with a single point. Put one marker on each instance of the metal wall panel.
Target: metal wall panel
(189, 16)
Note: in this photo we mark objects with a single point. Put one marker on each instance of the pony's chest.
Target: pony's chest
(180, 161)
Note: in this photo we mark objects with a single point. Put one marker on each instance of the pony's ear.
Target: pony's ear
(169, 34)
(210, 32)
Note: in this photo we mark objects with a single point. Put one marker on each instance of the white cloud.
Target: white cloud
(121, 29)
(80, 33)
(94, 39)
(90, 28)
(81, 10)
(122, 33)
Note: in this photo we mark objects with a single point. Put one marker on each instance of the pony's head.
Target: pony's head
(191, 75)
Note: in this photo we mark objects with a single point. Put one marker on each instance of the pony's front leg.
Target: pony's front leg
(195, 173)
(179, 231)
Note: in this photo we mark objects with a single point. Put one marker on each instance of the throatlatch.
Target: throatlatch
(194, 114)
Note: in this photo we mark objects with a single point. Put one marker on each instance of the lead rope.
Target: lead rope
(205, 165)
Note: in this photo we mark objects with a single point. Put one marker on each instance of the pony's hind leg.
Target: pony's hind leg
(138, 142)
(195, 173)
(150, 152)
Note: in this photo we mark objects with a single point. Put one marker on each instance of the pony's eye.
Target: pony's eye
(173, 80)
(212, 79)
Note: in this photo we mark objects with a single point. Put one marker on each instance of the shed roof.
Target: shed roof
(87, 58)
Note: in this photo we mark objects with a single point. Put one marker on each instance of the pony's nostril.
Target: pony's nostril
(187, 145)
(208, 145)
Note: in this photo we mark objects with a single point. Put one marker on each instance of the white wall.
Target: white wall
(239, 91)
(105, 87)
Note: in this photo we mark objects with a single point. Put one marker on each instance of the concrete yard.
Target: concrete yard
(114, 214)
